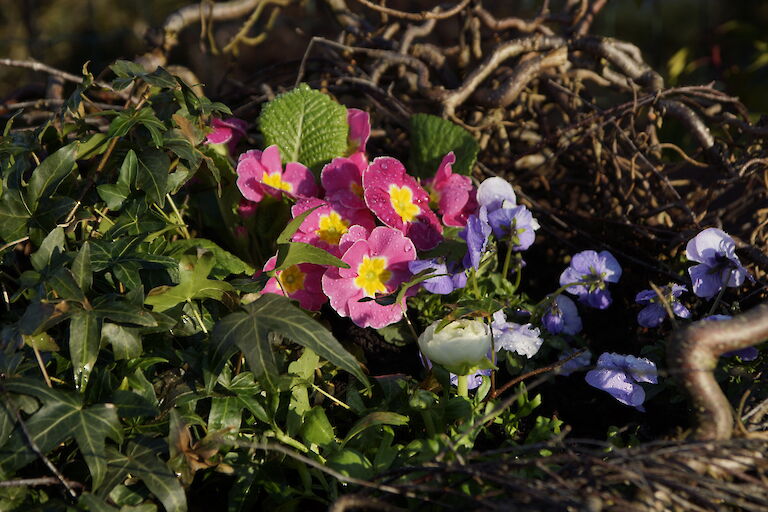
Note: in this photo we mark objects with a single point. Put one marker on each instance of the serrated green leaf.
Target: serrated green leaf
(432, 138)
(152, 174)
(277, 313)
(50, 173)
(125, 341)
(81, 268)
(307, 125)
(84, 338)
(374, 419)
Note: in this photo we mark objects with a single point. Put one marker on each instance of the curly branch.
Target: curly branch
(695, 350)
(416, 16)
(624, 60)
(519, 24)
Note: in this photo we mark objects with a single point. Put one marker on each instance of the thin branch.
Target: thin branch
(416, 16)
(44, 68)
(533, 373)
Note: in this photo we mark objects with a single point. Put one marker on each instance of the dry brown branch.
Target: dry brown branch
(417, 16)
(584, 23)
(519, 24)
(695, 351)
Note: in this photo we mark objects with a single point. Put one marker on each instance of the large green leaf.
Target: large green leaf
(247, 330)
(432, 138)
(50, 173)
(373, 419)
(52, 244)
(61, 418)
(81, 268)
(307, 125)
(152, 174)
(140, 459)
(14, 215)
(193, 284)
(226, 263)
(125, 341)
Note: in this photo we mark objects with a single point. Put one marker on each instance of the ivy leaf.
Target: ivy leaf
(307, 125)
(63, 283)
(226, 262)
(113, 194)
(432, 138)
(226, 414)
(81, 268)
(50, 173)
(52, 244)
(193, 284)
(125, 341)
(14, 215)
(62, 417)
(152, 174)
(140, 459)
(84, 338)
(128, 169)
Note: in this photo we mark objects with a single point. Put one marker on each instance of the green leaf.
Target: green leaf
(226, 262)
(14, 216)
(125, 341)
(242, 330)
(63, 417)
(287, 233)
(294, 253)
(133, 405)
(277, 313)
(42, 342)
(140, 460)
(81, 268)
(374, 419)
(114, 195)
(432, 138)
(129, 169)
(123, 311)
(84, 338)
(316, 427)
(351, 463)
(152, 174)
(193, 284)
(50, 173)
(307, 125)
(226, 414)
(64, 284)
(52, 244)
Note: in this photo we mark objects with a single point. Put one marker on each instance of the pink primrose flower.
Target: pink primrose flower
(398, 201)
(260, 173)
(246, 208)
(359, 129)
(342, 180)
(378, 264)
(227, 131)
(301, 282)
(325, 226)
(453, 193)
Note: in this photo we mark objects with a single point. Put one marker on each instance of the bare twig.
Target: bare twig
(417, 16)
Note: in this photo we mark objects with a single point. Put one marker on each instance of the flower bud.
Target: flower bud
(459, 346)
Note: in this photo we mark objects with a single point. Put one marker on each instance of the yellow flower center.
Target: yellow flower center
(292, 279)
(331, 227)
(402, 201)
(372, 275)
(276, 181)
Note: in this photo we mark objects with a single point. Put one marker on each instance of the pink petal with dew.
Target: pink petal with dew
(359, 128)
(249, 174)
(360, 160)
(444, 171)
(457, 205)
(371, 314)
(270, 160)
(353, 257)
(340, 291)
(301, 178)
(309, 231)
(354, 234)
(342, 180)
(391, 244)
(221, 132)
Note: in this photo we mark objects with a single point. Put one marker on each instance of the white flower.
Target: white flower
(459, 346)
(523, 339)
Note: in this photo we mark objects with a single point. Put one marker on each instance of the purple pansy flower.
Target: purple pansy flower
(447, 278)
(562, 316)
(495, 193)
(746, 354)
(621, 376)
(523, 339)
(654, 313)
(718, 265)
(591, 271)
(579, 362)
(476, 235)
(516, 223)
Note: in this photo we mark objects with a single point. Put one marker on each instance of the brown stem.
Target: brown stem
(695, 350)
(416, 16)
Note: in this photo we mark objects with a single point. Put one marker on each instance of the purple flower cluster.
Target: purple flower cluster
(654, 313)
(718, 265)
(589, 273)
(562, 317)
(621, 375)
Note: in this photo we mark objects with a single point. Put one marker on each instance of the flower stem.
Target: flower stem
(463, 386)
(507, 259)
(717, 299)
